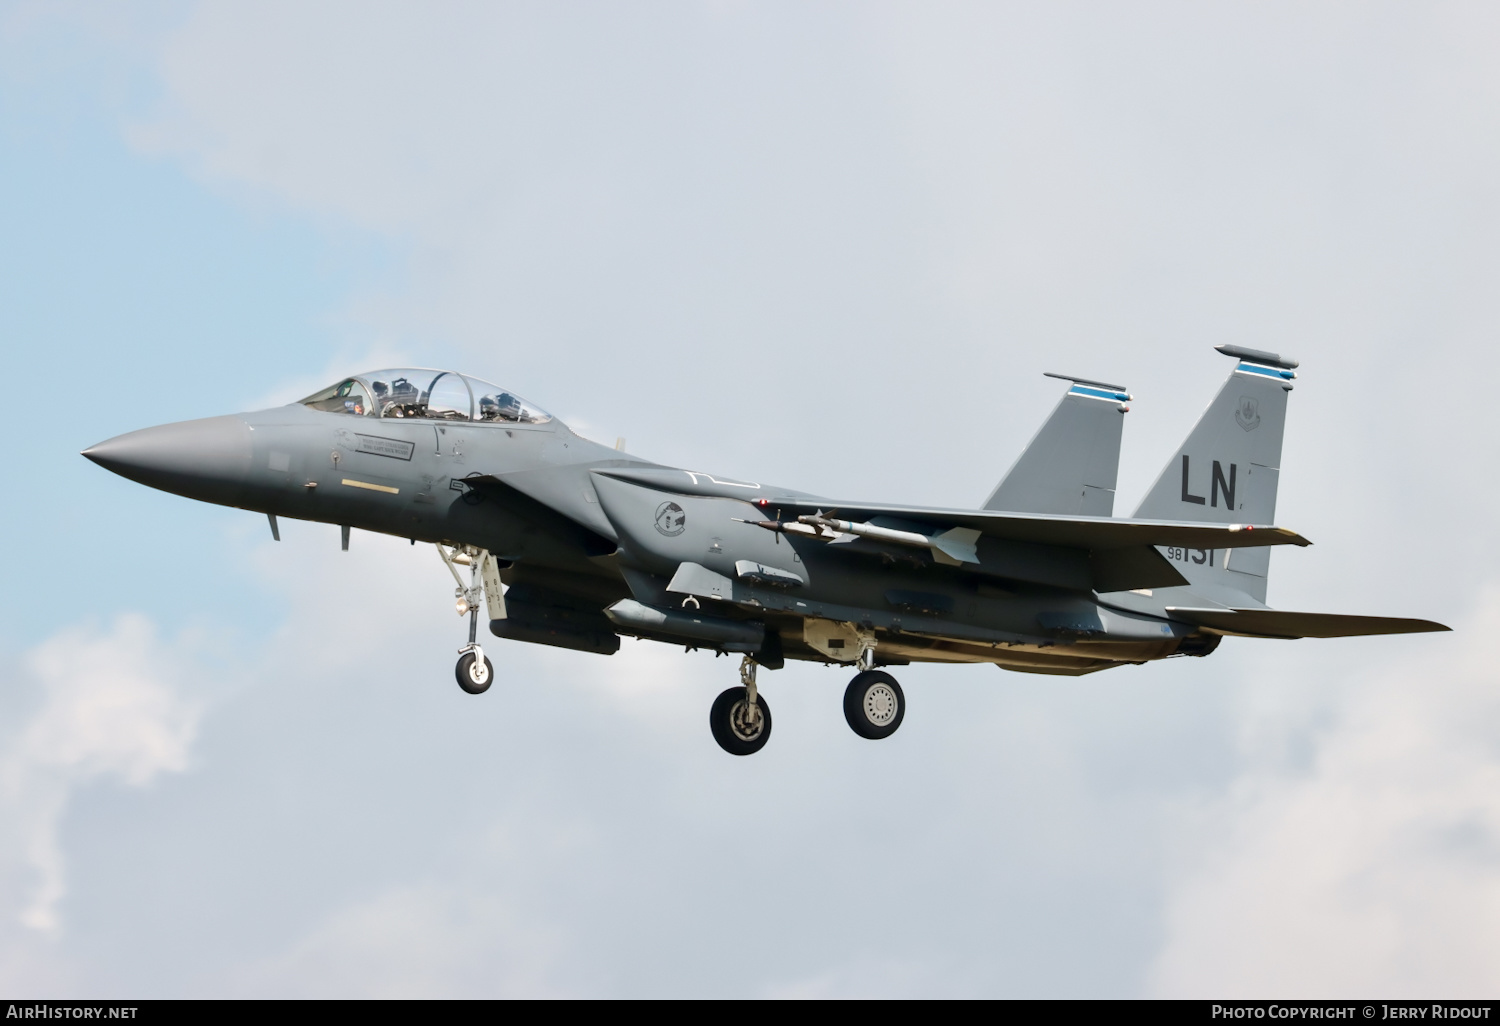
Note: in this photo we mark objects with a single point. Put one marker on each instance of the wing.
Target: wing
(1077, 532)
(1069, 531)
(1107, 554)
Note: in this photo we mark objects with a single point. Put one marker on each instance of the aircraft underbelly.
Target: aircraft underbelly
(938, 649)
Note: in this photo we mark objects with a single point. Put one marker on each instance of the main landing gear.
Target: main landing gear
(740, 718)
(474, 671)
(874, 706)
(873, 702)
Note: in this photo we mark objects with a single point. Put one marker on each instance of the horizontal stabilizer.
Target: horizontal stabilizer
(1279, 623)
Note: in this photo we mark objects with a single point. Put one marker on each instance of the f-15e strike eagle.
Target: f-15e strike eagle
(573, 544)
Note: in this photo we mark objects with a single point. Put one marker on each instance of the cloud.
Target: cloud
(113, 708)
(412, 942)
(1374, 867)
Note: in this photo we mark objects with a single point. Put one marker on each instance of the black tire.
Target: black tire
(874, 704)
(476, 680)
(732, 735)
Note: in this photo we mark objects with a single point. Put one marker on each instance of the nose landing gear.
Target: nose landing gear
(740, 718)
(474, 671)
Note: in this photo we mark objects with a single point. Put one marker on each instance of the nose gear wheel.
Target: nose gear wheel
(475, 672)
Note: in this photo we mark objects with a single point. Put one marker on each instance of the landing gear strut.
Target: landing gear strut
(474, 671)
(740, 718)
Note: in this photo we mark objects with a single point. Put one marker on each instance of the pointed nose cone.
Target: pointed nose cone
(202, 459)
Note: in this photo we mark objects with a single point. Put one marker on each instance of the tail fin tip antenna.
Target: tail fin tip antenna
(1258, 356)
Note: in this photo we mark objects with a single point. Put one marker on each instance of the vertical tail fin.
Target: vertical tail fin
(1227, 470)
(1071, 465)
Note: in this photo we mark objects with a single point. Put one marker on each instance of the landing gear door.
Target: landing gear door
(494, 598)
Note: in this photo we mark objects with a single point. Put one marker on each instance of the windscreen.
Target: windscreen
(348, 396)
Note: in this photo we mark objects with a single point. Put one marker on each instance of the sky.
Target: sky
(828, 245)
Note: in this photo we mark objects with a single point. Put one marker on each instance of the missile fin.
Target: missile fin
(957, 545)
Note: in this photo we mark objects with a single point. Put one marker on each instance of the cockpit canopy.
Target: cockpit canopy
(426, 395)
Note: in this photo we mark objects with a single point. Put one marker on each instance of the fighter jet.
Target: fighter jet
(566, 542)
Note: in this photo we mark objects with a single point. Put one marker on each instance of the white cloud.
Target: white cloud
(307, 116)
(112, 709)
(412, 942)
(1375, 868)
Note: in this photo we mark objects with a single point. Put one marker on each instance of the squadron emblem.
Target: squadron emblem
(1247, 414)
(670, 519)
